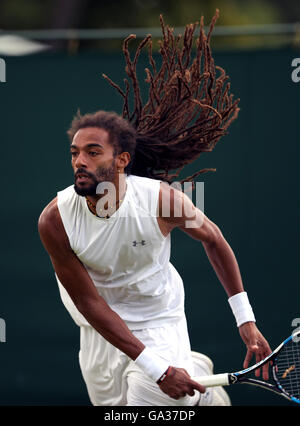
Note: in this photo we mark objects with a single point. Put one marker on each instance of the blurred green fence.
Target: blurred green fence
(253, 197)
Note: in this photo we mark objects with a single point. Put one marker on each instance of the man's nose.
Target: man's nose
(80, 161)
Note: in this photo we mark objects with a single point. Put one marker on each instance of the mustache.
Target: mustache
(85, 173)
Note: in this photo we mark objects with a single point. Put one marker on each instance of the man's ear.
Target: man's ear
(123, 160)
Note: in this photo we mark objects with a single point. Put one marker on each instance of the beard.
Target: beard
(103, 174)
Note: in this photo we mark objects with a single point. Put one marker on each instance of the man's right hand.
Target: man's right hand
(178, 384)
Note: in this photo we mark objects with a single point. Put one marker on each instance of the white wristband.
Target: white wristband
(153, 365)
(241, 308)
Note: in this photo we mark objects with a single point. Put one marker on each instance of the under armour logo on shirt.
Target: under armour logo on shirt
(135, 243)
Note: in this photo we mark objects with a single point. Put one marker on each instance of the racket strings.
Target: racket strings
(288, 368)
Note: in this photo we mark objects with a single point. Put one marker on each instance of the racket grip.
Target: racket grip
(213, 380)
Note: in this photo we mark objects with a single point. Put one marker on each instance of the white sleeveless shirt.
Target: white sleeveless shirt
(126, 256)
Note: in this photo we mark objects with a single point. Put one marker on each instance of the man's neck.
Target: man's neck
(110, 197)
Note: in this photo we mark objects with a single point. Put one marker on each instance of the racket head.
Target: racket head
(285, 370)
(286, 367)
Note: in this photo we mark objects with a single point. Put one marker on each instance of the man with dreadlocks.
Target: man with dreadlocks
(108, 236)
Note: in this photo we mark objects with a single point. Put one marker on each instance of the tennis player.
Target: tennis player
(108, 237)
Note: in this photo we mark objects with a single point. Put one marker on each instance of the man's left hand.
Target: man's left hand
(256, 345)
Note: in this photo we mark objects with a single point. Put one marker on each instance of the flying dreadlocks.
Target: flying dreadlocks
(189, 107)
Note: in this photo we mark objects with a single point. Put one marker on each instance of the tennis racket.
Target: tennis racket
(285, 369)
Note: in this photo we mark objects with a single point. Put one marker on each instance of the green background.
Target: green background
(253, 197)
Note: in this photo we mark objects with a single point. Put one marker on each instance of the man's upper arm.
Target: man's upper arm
(70, 271)
(176, 210)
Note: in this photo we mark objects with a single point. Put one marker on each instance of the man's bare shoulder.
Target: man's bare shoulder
(52, 232)
(50, 216)
(172, 204)
(51, 228)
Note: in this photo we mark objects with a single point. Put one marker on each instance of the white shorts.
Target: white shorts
(113, 379)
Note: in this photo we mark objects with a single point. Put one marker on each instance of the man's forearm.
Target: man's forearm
(95, 310)
(225, 265)
(110, 325)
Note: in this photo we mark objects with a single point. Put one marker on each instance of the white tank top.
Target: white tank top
(126, 256)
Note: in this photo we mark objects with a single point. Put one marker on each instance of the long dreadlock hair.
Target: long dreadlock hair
(189, 106)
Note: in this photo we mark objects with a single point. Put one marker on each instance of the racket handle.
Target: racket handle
(213, 380)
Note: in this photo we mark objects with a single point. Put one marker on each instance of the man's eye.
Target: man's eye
(73, 153)
(93, 153)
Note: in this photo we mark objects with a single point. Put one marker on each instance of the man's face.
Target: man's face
(92, 160)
